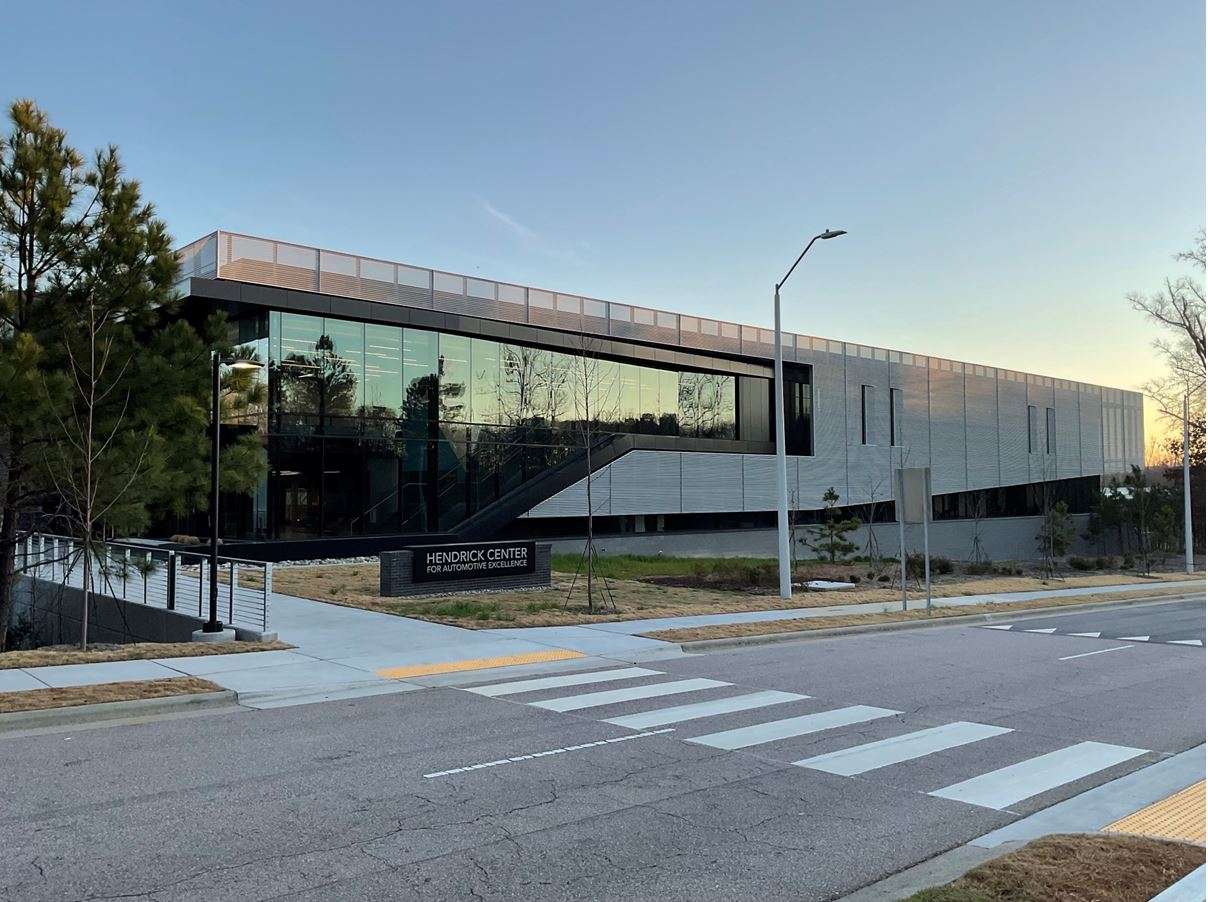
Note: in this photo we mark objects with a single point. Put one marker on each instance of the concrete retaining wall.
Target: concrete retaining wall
(55, 611)
(396, 574)
(1002, 539)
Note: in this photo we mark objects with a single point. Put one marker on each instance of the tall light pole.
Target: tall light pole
(1188, 542)
(778, 412)
(213, 627)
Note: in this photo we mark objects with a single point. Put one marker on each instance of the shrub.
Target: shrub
(181, 539)
(883, 578)
(1082, 563)
(1105, 563)
(1127, 562)
(939, 565)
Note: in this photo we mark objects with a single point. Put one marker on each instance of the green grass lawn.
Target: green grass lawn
(637, 566)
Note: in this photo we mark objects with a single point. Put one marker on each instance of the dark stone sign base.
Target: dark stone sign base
(397, 577)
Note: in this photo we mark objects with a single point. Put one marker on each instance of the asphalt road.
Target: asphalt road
(332, 801)
(1181, 622)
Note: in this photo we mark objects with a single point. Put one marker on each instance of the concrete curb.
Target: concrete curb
(729, 642)
(139, 707)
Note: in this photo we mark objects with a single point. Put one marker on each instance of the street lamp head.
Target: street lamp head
(832, 233)
(243, 364)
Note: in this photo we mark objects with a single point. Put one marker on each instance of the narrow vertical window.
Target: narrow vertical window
(1033, 439)
(866, 402)
(895, 402)
(1050, 430)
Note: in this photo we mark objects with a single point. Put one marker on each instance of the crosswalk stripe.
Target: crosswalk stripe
(1195, 642)
(1008, 785)
(566, 679)
(872, 755)
(1051, 629)
(1133, 639)
(680, 713)
(773, 730)
(1087, 635)
(612, 696)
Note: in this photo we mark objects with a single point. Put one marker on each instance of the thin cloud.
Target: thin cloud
(517, 228)
(533, 239)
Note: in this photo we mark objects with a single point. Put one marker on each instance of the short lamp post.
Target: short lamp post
(778, 412)
(213, 624)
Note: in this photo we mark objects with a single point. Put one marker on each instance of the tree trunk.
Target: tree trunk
(8, 560)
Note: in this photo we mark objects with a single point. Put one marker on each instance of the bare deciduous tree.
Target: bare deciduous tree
(1179, 310)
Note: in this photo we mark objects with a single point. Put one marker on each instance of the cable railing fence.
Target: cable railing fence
(167, 579)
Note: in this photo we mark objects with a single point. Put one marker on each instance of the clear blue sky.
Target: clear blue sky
(1007, 171)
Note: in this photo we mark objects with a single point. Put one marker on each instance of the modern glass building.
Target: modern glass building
(407, 403)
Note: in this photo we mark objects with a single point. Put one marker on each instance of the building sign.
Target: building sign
(472, 560)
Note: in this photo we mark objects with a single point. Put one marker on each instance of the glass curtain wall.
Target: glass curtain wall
(382, 429)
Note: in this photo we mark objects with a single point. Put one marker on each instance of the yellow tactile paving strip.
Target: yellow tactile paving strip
(535, 657)
(1179, 817)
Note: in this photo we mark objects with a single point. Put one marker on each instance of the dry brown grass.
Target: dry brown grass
(72, 696)
(1074, 868)
(769, 627)
(134, 651)
(356, 585)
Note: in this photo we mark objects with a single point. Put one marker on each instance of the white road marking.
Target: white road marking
(569, 748)
(1087, 654)
(566, 679)
(612, 696)
(1051, 629)
(1196, 642)
(1007, 627)
(1003, 787)
(792, 726)
(1087, 635)
(680, 713)
(1132, 638)
(870, 756)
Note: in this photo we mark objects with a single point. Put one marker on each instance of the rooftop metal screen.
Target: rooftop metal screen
(228, 255)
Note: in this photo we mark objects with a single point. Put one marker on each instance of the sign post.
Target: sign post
(913, 504)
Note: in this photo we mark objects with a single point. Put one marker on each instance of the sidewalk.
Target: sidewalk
(340, 653)
(346, 652)
(1145, 802)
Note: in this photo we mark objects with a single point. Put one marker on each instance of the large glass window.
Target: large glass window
(297, 368)
(420, 381)
(340, 357)
(375, 428)
(455, 378)
(484, 392)
(383, 370)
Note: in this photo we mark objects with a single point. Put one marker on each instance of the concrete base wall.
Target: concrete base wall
(55, 611)
(396, 577)
(1002, 539)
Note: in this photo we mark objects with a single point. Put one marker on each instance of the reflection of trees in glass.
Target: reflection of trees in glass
(518, 385)
(244, 393)
(322, 383)
(453, 395)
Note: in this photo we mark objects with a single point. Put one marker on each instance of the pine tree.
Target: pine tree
(829, 538)
(103, 397)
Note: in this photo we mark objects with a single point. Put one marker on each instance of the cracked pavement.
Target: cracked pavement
(328, 801)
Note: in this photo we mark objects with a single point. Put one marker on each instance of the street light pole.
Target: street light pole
(779, 413)
(1188, 541)
(213, 628)
(213, 624)
(782, 474)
